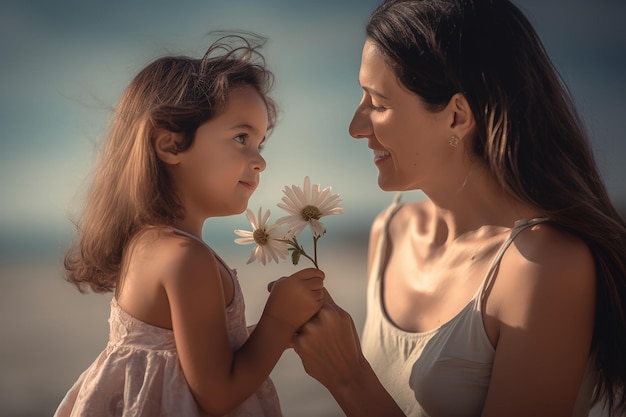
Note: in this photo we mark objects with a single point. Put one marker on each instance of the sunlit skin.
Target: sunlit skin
(409, 143)
(174, 282)
(539, 312)
(217, 175)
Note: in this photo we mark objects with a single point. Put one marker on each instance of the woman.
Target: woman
(503, 293)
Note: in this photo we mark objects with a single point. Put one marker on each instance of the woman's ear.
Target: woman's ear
(167, 146)
(462, 117)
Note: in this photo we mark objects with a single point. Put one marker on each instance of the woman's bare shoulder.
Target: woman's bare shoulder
(541, 316)
(404, 214)
(414, 216)
(409, 215)
(549, 265)
(552, 248)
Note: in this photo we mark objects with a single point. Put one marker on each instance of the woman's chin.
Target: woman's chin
(386, 184)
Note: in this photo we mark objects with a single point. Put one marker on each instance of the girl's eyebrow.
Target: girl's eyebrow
(245, 126)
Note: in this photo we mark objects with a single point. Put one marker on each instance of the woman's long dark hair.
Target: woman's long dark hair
(527, 131)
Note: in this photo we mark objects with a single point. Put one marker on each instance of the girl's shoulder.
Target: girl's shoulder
(165, 238)
(162, 268)
(168, 250)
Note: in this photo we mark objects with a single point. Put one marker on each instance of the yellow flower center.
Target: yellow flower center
(260, 236)
(310, 212)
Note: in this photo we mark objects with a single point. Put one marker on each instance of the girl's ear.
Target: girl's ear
(167, 145)
(462, 117)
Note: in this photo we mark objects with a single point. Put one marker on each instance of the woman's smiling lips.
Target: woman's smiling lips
(380, 155)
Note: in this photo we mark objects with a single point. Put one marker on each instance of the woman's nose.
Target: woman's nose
(360, 126)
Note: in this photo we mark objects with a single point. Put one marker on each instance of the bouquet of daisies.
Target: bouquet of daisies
(306, 206)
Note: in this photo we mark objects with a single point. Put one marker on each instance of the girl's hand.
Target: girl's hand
(293, 300)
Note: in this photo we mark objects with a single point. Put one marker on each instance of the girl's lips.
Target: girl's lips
(249, 185)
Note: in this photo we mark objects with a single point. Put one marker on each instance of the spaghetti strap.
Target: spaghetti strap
(140, 369)
(382, 242)
(518, 227)
(381, 250)
(182, 232)
(219, 258)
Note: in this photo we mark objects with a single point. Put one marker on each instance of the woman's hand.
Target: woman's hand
(330, 350)
(329, 345)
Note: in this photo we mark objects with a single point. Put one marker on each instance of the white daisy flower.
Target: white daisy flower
(270, 240)
(306, 206)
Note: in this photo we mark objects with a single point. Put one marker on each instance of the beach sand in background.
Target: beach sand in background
(51, 332)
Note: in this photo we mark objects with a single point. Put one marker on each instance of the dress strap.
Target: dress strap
(220, 260)
(518, 228)
(192, 236)
(381, 250)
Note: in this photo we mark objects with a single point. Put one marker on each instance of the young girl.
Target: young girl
(184, 145)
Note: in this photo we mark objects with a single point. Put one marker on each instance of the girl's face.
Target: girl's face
(410, 143)
(219, 172)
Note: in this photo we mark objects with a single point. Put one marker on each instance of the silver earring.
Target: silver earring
(454, 141)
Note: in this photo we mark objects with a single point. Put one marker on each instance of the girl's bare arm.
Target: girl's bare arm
(220, 378)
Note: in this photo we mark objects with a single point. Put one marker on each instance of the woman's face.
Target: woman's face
(410, 143)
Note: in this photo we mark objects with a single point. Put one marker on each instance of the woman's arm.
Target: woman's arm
(330, 350)
(219, 378)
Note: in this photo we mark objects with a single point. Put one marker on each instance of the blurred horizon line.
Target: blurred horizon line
(48, 244)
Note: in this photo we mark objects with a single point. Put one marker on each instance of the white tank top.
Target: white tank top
(443, 372)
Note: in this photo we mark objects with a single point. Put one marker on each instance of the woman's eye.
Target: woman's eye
(377, 108)
(241, 138)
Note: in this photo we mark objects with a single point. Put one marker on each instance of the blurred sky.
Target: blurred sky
(64, 64)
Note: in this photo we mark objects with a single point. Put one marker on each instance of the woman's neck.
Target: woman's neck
(479, 202)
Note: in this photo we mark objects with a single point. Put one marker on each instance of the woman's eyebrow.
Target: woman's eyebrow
(373, 92)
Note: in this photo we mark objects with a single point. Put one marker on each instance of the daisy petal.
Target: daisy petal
(269, 239)
(310, 202)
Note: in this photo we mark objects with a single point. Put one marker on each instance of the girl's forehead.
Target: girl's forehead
(244, 108)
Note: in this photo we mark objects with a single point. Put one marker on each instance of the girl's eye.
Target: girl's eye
(241, 138)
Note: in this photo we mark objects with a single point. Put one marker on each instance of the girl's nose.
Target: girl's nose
(259, 163)
(360, 126)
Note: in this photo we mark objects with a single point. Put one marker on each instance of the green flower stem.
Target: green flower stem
(315, 250)
(296, 246)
